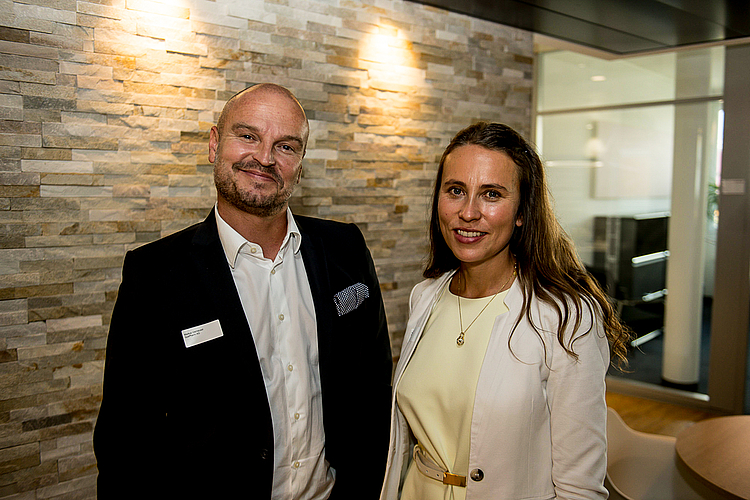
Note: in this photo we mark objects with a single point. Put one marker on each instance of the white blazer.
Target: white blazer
(538, 429)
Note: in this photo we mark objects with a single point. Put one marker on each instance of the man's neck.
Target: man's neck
(268, 232)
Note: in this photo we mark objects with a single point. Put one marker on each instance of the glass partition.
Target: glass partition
(632, 149)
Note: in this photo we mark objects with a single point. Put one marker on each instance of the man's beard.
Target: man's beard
(252, 201)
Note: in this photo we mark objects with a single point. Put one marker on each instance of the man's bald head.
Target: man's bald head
(258, 90)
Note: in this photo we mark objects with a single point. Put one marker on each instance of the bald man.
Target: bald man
(248, 355)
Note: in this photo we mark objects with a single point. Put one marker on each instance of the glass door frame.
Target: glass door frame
(731, 312)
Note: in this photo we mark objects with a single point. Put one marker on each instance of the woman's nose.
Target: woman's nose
(469, 211)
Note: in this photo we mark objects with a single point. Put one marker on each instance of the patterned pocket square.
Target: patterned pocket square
(350, 298)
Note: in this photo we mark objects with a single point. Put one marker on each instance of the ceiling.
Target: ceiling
(618, 27)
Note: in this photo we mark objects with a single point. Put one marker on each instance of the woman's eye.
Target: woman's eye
(455, 191)
(493, 194)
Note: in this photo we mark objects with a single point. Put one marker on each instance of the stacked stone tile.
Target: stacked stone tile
(105, 108)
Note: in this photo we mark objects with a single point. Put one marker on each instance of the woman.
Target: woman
(499, 391)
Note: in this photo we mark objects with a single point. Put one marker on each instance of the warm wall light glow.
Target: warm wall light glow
(598, 78)
(383, 48)
(175, 9)
(389, 57)
(171, 3)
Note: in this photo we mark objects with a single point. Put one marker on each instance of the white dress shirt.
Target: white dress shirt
(279, 307)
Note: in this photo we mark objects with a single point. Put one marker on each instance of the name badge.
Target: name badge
(202, 333)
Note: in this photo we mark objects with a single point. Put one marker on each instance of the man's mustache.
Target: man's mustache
(255, 165)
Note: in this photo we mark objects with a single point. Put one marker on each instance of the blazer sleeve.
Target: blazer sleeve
(129, 414)
(576, 398)
(357, 375)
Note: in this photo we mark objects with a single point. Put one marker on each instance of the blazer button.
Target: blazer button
(264, 454)
(476, 475)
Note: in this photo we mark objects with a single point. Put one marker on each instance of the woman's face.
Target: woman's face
(478, 203)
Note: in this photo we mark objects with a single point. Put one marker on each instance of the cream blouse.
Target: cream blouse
(436, 391)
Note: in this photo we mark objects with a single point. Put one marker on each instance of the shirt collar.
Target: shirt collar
(232, 241)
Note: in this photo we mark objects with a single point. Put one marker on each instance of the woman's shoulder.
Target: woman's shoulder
(428, 288)
(553, 307)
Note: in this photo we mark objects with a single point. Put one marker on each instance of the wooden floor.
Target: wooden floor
(646, 415)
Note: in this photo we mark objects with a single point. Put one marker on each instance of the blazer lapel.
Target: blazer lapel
(213, 272)
(316, 267)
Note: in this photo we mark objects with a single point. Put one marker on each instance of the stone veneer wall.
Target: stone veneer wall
(105, 107)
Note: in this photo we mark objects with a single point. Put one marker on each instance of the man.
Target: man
(248, 355)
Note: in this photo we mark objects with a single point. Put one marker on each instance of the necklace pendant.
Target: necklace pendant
(460, 339)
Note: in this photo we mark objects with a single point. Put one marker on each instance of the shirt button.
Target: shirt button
(290, 367)
(253, 250)
(281, 317)
(273, 271)
(296, 465)
(296, 416)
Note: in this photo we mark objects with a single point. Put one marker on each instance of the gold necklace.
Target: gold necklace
(460, 339)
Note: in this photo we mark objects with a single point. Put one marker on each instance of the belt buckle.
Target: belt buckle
(454, 479)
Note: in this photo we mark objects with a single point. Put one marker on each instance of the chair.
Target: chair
(642, 466)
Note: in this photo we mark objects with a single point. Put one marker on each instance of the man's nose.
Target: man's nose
(264, 155)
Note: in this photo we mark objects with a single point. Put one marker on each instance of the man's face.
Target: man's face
(258, 153)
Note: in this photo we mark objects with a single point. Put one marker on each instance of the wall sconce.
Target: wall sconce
(594, 147)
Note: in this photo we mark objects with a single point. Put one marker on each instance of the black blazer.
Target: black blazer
(179, 422)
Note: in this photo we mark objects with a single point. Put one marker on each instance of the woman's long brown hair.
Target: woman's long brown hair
(548, 265)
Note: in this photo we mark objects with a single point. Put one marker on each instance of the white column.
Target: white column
(687, 225)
